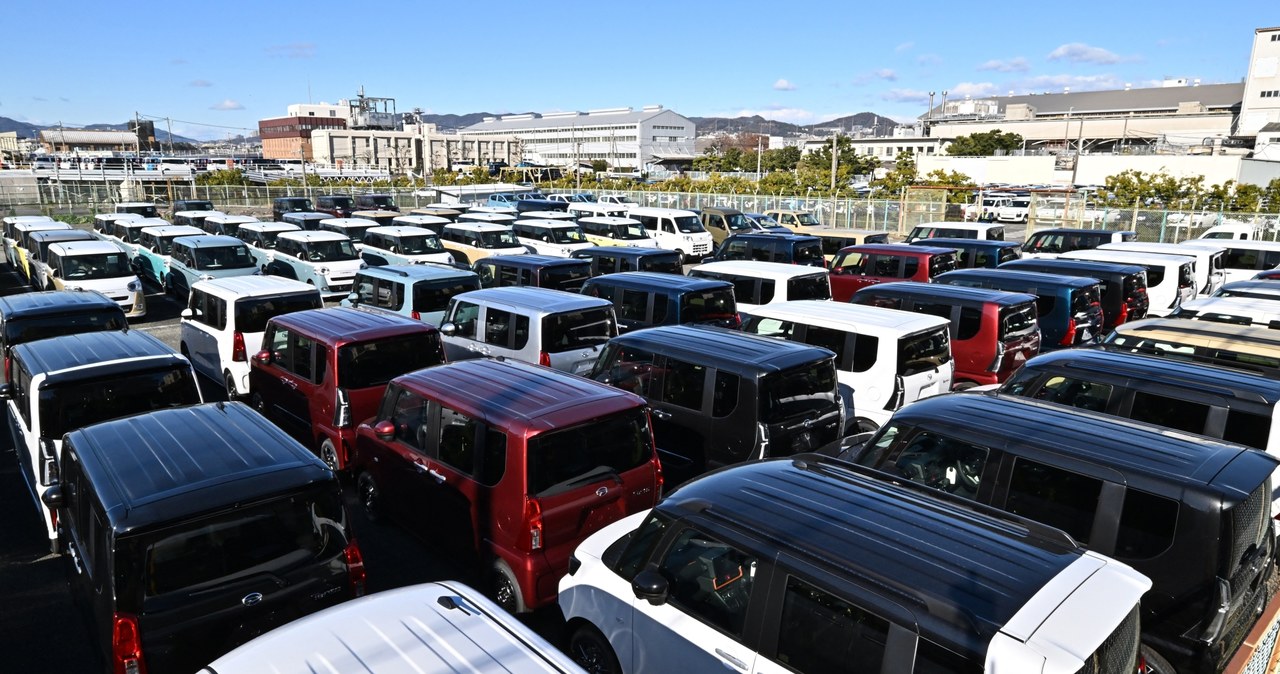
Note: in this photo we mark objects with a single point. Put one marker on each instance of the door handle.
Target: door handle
(661, 414)
(436, 474)
(731, 659)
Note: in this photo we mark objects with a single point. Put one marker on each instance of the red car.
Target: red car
(857, 267)
(322, 371)
(508, 464)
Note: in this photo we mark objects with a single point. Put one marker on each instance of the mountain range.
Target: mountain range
(26, 130)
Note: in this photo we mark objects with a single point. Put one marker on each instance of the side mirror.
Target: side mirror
(353, 298)
(187, 313)
(650, 586)
(52, 497)
(263, 357)
(709, 258)
(384, 430)
(6, 391)
(448, 329)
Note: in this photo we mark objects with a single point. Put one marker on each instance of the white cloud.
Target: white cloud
(1016, 64)
(294, 50)
(784, 85)
(905, 96)
(929, 60)
(201, 83)
(905, 46)
(1056, 83)
(972, 90)
(1079, 52)
(887, 74)
(227, 104)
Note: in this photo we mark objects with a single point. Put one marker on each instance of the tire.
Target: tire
(329, 454)
(370, 497)
(592, 652)
(504, 589)
(229, 383)
(1156, 664)
(682, 256)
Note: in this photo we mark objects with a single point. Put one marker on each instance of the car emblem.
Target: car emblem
(602, 491)
(252, 599)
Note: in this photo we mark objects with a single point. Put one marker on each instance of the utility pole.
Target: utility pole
(169, 128)
(759, 153)
(835, 156)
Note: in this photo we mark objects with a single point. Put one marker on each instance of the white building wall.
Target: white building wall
(1091, 170)
(340, 111)
(1261, 104)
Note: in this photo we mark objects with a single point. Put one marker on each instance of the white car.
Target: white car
(326, 260)
(225, 318)
(403, 245)
(261, 239)
(1016, 209)
(550, 237)
(97, 265)
(675, 229)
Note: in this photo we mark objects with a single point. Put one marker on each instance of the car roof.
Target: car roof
(269, 227)
(307, 215)
(724, 349)
(971, 243)
(954, 562)
(91, 350)
(1108, 233)
(63, 235)
(231, 287)
(772, 236)
(197, 213)
(942, 291)
(208, 241)
(342, 325)
(659, 280)
(41, 226)
(855, 316)
(415, 220)
(173, 230)
(634, 251)
(348, 222)
(225, 218)
(1232, 331)
(1205, 379)
(1175, 457)
(471, 226)
(85, 247)
(609, 220)
(535, 260)
(415, 272)
(151, 469)
(521, 397)
(44, 303)
(314, 235)
(1087, 266)
(1131, 257)
(542, 300)
(1241, 244)
(400, 230)
(550, 224)
(1035, 277)
(773, 270)
(898, 248)
(961, 225)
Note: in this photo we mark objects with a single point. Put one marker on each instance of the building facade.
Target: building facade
(418, 149)
(290, 137)
(79, 140)
(1261, 104)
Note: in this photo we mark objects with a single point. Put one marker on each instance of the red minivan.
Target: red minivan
(857, 267)
(508, 465)
(993, 332)
(322, 371)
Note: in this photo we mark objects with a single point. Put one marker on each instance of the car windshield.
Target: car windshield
(267, 240)
(765, 221)
(596, 451)
(376, 362)
(629, 232)
(341, 202)
(224, 257)
(100, 266)
(18, 330)
(578, 329)
(266, 539)
(567, 235)
(807, 220)
(420, 244)
(147, 211)
(331, 251)
(738, 222)
(923, 352)
(298, 204)
(568, 277)
(503, 239)
(164, 244)
(435, 296)
(252, 313)
(802, 390)
(708, 305)
(128, 234)
(383, 201)
(356, 232)
(689, 224)
(78, 403)
(815, 287)
(190, 205)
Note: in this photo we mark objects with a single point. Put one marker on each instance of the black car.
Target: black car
(336, 205)
(193, 530)
(27, 317)
(542, 271)
(180, 205)
(282, 205)
(764, 247)
(643, 299)
(1124, 286)
(376, 202)
(612, 259)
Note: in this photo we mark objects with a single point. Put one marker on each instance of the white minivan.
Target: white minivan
(97, 265)
(1171, 279)
(1237, 310)
(758, 283)
(1243, 257)
(1210, 273)
(885, 358)
(550, 237)
(982, 231)
(675, 229)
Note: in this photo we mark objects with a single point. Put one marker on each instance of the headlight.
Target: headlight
(206, 277)
(323, 271)
(134, 286)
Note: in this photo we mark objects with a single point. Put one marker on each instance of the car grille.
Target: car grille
(701, 248)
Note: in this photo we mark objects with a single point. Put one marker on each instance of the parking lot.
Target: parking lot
(42, 631)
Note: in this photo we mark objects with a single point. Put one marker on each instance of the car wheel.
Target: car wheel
(1156, 664)
(504, 589)
(329, 454)
(229, 381)
(257, 403)
(370, 497)
(680, 253)
(591, 650)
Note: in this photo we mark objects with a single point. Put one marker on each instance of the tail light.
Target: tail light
(341, 409)
(356, 575)
(899, 392)
(237, 347)
(7, 376)
(1070, 337)
(533, 524)
(544, 358)
(1124, 311)
(999, 360)
(126, 645)
(736, 321)
(415, 315)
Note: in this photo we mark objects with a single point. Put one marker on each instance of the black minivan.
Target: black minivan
(1124, 286)
(720, 396)
(540, 271)
(282, 205)
(611, 259)
(769, 247)
(194, 530)
(644, 299)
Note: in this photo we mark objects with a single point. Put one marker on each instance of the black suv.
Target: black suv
(282, 205)
(376, 202)
(30, 316)
(337, 205)
(193, 530)
(180, 205)
(763, 247)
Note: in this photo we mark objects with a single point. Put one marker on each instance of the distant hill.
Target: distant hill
(445, 122)
(26, 130)
(866, 120)
(758, 124)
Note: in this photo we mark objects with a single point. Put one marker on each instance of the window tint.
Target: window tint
(865, 351)
(641, 545)
(1045, 305)
(934, 659)
(910, 267)
(1075, 392)
(376, 362)
(588, 453)
(682, 384)
(457, 447)
(768, 327)
(1169, 412)
(1247, 429)
(816, 287)
(1147, 523)
(821, 633)
(464, 316)
(659, 308)
(725, 397)
(835, 341)
(941, 463)
(633, 305)
(934, 309)
(709, 580)
(627, 368)
(970, 323)
(562, 332)
(409, 414)
(1054, 496)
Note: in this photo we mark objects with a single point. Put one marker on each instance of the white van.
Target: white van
(885, 358)
(1240, 231)
(550, 237)
(432, 627)
(759, 283)
(1237, 310)
(97, 265)
(103, 223)
(1210, 274)
(470, 241)
(1171, 279)
(982, 231)
(675, 229)
(1243, 258)
(599, 210)
(614, 231)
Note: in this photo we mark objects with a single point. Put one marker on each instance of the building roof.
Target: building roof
(609, 117)
(1115, 101)
(81, 137)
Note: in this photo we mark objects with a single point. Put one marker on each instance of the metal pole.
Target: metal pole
(835, 157)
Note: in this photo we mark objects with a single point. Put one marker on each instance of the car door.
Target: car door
(199, 335)
(460, 451)
(399, 465)
(286, 381)
(700, 625)
(464, 341)
(681, 428)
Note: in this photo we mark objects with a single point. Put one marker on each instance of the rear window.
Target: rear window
(802, 390)
(815, 287)
(1017, 321)
(941, 264)
(376, 362)
(1134, 283)
(29, 329)
(264, 539)
(708, 305)
(565, 278)
(667, 264)
(436, 296)
(578, 330)
(1155, 275)
(75, 404)
(923, 351)
(563, 459)
(252, 313)
(1082, 298)
(809, 253)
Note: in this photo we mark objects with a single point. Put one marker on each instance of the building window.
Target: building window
(311, 114)
(1272, 93)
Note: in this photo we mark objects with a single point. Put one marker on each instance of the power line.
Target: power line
(212, 126)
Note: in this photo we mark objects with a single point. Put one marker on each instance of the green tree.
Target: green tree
(984, 144)
(903, 175)
(599, 165)
(781, 159)
(222, 177)
(962, 183)
(1158, 190)
(851, 163)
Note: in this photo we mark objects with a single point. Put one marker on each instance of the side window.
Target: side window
(1147, 523)
(409, 414)
(464, 316)
(390, 294)
(634, 305)
(940, 462)
(498, 327)
(216, 312)
(1045, 305)
(766, 291)
(1160, 410)
(910, 267)
(882, 265)
(650, 223)
(628, 368)
(865, 351)
(366, 288)
(1076, 393)
(659, 308)
(1054, 496)
(196, 304)
(457, 441)
(821, 633)
(724, 398)
(1247, 429)
(835, 341)
(934, 309)
(970, 323)
(281, 346)
(709, 580)
(736, 250)
(300, 348)
(682, 384)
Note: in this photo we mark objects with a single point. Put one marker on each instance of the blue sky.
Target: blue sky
(219, 70)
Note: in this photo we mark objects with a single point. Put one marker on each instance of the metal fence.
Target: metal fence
(898, 216)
